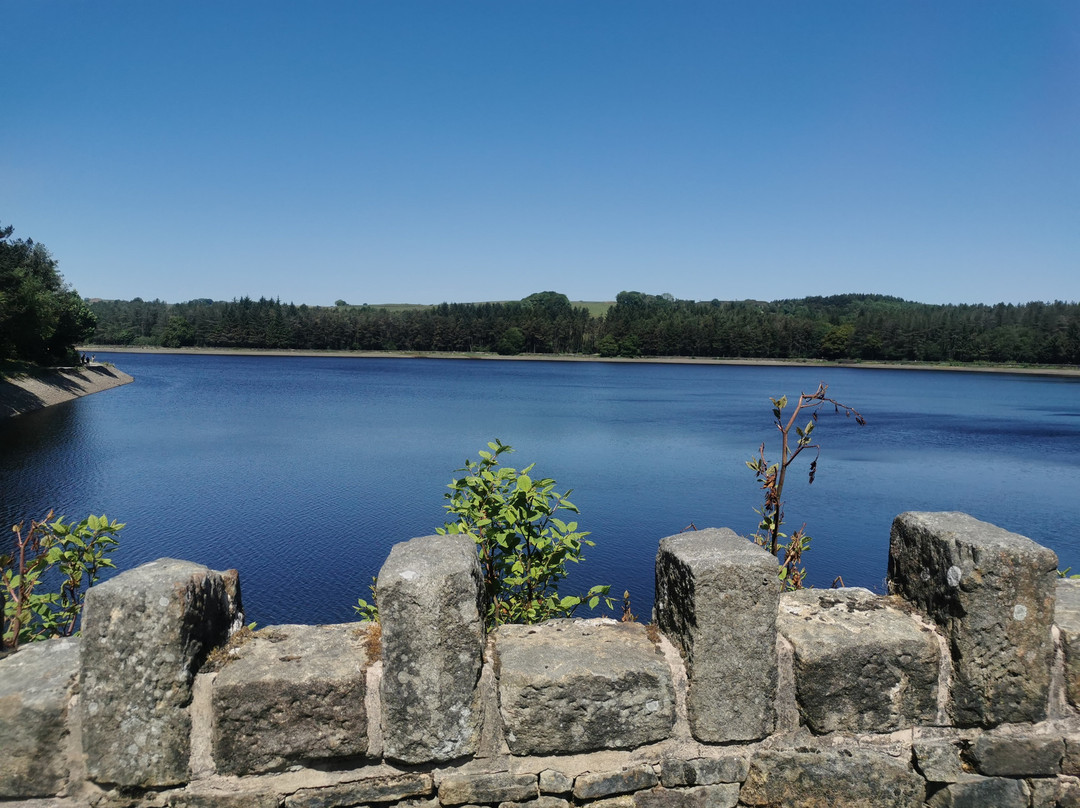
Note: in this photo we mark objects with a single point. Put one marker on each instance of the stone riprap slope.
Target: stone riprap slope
(27, 392)
(961, 688)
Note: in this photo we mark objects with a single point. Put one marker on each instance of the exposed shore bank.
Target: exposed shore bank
(1071, 371)
(26, 392)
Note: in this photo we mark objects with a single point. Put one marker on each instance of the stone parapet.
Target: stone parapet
(862, 664)
(35, 690)
(572, 713)
(716, 600)
(432, 649)
(567, 686)
(145, 635)
(292, 694)
(992, 594)
(1067, 619)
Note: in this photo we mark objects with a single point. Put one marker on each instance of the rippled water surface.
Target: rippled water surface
(302, 472)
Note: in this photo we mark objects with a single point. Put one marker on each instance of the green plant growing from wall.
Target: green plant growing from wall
(524, 546)
(73, 552)
(369, 611)
(773, 475)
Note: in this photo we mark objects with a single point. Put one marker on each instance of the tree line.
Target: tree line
(838, 327)
(41, 317)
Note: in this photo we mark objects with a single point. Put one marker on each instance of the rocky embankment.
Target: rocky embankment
(20, 393)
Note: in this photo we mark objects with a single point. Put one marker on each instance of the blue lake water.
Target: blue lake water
(303, 472)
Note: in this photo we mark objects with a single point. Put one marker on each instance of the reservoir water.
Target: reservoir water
(303, 472)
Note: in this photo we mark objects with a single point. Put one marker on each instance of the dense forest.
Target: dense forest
(41, 317)
(839, 327)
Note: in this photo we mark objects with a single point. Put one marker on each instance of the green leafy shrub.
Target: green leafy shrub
(523, 545)
(75, 553)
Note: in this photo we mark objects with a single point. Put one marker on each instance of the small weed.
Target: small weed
(771, 476)
(369, 611)
(652, 631)
(224, 654)
(627, 615)
(373, 642)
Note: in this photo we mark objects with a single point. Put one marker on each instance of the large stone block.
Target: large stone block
(992, 594)
(703, 771)
(855, 779)
(579, 686)
(145, 634)
(861, 664)
(35, 687)
(1067, 618)
(595, 785)
(724, 795)
(982, 792)
(1018, 753)
(293, 694)
(395, 788)
(495, 787)
(432, 641)
(233, 797)
(717, 596)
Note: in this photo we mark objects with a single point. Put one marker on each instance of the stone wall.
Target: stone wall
(959, 689)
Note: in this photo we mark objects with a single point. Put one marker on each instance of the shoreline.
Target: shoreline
(26, 392)
(1062, 371)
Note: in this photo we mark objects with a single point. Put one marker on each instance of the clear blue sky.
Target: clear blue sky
(463, 151)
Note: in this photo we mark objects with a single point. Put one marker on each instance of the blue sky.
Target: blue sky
(463, 151)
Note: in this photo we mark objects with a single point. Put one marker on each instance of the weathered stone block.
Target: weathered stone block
(854, 780)
(861, 664)
(392, 788)
(1068, 793)
(460, 789)
(432, 649)
(293, 694)
(145, 634)
(555, 782)
(938, 760)
(724, 795)
(982, 792)
(1067, 618)
(1049, 792)
(992, 594)
(594, 785)
(621, 801)
(579, 686)
(1070, 763)
(1018, 755)
(703, 771)
(716, 599)
(540, 802)
(35, 686)
(216, 798)
(231, 580)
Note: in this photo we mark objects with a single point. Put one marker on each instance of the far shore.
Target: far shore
(1070, 370)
